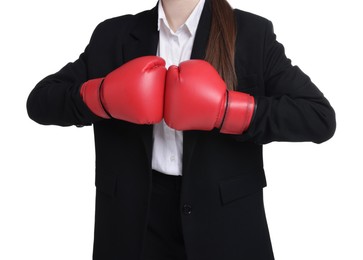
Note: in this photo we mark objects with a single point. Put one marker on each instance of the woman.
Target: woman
(179, 169)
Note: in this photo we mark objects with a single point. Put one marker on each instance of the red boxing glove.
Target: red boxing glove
(196, 98)
(133, 92)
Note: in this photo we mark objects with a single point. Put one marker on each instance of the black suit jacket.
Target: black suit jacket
(223, 175)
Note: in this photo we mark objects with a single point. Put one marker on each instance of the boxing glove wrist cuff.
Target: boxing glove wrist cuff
(239, 111)
(91, 94)
(220, 121)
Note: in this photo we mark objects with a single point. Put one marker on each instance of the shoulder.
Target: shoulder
(252, 21)
(119, 24)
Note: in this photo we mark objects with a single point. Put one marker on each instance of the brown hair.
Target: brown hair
(221, 44)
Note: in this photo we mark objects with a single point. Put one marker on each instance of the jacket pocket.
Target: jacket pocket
(106, 184)
(241, 186)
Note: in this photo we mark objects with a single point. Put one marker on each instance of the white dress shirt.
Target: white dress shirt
(174, 47)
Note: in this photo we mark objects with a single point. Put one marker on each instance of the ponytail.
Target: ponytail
(221, 44)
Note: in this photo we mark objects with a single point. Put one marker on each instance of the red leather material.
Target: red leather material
(134, 92)
(239, 113)
(90, 95)
(194, 96)
(196, 99)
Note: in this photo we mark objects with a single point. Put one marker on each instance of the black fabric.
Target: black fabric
(221, 199)
(164, 237)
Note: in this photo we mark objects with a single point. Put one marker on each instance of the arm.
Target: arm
(92, 89)
(292, 109)
(56, 99)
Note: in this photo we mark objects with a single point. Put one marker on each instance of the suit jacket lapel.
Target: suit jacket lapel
(143, 38)
(143, 41)
(202, 33)
(198, 52)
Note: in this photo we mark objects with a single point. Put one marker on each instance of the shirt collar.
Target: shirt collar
(191, 23)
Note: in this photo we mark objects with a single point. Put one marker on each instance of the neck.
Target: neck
(178, 11)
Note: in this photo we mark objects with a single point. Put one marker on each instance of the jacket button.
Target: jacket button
(187, 209)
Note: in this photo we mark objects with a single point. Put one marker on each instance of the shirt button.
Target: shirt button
(187, 209)
(172, 158)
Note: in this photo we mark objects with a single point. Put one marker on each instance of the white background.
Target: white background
(314, 194)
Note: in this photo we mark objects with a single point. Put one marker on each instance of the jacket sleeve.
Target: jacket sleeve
(56, 99)
(292, 108)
